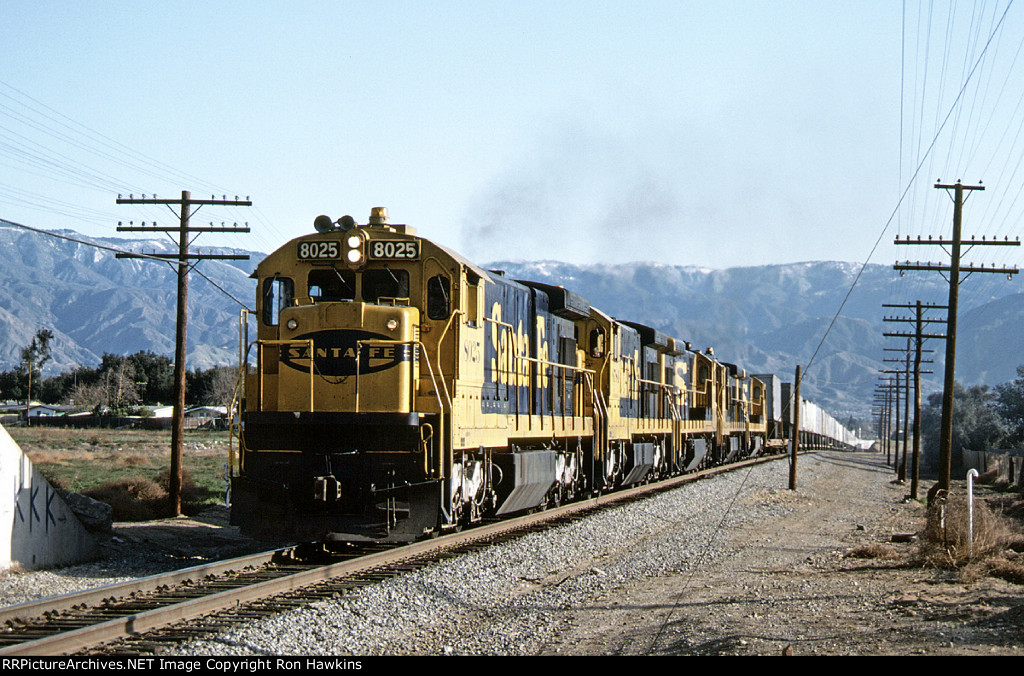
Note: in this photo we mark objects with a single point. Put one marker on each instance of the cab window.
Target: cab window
(596, 343)
(278, 293)
(439, 294)
(332, 285)
(386, 283)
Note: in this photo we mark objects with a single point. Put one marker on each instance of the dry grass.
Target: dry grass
(989, 478)
(944, 542)
(874, 550)
(116, 463)
(1005, 569)
(133, 498)
(138, 498)
(190, 493)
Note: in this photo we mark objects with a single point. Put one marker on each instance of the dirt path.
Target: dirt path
(788, 587)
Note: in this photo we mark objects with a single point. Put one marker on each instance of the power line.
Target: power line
(910, 183)
(116, 250)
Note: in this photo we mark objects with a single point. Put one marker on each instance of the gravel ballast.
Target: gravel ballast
(732, 564)
(511, 599)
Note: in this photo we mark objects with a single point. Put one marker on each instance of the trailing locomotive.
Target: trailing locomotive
(400, 390)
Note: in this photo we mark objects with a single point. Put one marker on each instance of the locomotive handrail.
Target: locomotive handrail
(412, 392)
(512, 354)
(545, 362)
(235, 430)
(515, 357)
(440, 342)
(430, 369)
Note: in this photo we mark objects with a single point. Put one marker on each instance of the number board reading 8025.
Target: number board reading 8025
(392, 249)
(319, 250)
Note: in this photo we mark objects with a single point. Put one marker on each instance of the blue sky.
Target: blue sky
(691, 133)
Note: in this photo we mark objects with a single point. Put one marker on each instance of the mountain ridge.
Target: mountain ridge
(766, 318)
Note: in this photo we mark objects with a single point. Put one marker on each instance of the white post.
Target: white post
(971, 474)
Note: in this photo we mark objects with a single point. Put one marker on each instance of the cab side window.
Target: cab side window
(278, 293)
(597, 343)
(439, 295)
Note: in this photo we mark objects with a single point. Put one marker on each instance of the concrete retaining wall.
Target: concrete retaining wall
(37, 529)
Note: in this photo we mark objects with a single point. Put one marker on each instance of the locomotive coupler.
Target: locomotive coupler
(326, 489)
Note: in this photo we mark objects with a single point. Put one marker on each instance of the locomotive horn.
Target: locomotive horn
(323, 224)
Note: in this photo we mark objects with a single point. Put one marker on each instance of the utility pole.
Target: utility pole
(184, 230)
(918, 336)
(883, 398)
(796, 429)
(954, 269)
(895, 373)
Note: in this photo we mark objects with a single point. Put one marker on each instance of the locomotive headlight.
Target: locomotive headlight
(292, 324)
(392, 324)
(355, 249)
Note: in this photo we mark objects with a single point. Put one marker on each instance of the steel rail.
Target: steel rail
(57, 604)
(139, 623)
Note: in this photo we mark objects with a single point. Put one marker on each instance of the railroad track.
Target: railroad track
(144, 616)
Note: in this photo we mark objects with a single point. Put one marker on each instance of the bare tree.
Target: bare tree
(222, 386)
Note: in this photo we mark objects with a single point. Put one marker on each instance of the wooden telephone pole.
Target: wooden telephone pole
(918, 337)
(954, 269)
(184, 230)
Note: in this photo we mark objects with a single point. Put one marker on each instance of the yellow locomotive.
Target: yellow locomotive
(400, 390)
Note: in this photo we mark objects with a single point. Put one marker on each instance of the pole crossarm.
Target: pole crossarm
(912, 306)
(957, 272)
(190, 228)
(913, 320)
(902, 334)
(941, 241)
(937, 267)
(224, 201)
(183, 256)
(188, 256)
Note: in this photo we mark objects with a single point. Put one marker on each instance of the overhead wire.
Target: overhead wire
(117, 250)
(77, 157)
(910, 182)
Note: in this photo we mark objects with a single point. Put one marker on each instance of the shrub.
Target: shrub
(192, 497)
(132, 498)
(945, 542)
(872, 551)
(989, 478)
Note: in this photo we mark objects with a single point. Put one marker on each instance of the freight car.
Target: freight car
(400, 390)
